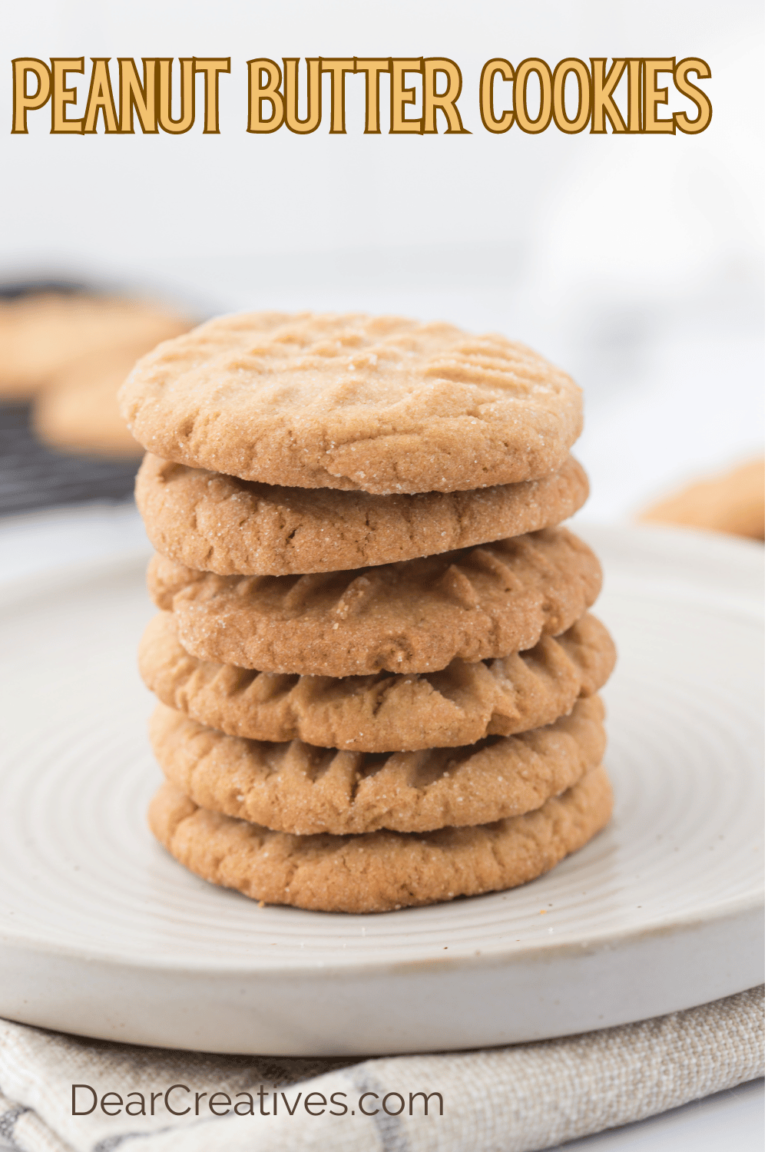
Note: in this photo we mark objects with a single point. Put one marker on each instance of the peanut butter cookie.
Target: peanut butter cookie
(298, 788)
(384, 712)
(237, 527)
(380, 404)
(415, 616)
(381, 871)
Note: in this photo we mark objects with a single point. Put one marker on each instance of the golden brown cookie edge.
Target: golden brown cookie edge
(383, 871)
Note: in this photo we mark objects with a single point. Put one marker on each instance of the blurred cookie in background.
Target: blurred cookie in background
(42, 332)
(78, 410)
(62, 333)
(732, 502)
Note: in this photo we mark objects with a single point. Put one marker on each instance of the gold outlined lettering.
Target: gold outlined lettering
(653, 96)
(314, 95)
(702, 102)
(373, 68)
(100, 98)
(211, 66)
(258, 93)
(603, 88)
(399, 95)
(492, 69)
(138, 95)
(432, 67)
(625, 98)
(338, 68)
(61, 95)
(24, 101)
(634, 107)
(186, 94)
(520, 97)
(584, 108)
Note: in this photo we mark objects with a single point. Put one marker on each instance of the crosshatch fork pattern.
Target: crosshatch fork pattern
(385, 711)
(415, 616)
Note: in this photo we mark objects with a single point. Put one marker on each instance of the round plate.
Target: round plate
(103, 934)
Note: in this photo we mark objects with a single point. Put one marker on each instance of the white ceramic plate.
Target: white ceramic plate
(102, 934)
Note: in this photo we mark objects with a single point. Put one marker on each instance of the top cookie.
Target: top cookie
(377, 404)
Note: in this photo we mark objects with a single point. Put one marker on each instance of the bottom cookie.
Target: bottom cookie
(379, 871)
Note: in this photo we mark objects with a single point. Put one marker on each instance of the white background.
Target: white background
(633, 261)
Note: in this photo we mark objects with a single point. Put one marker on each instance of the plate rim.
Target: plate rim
(744, 905)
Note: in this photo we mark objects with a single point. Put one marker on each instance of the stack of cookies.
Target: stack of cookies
(375, 661)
